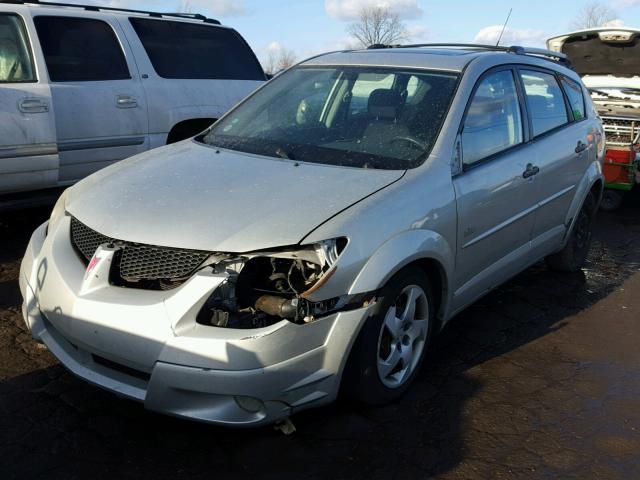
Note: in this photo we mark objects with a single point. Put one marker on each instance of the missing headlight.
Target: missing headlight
(264, 288)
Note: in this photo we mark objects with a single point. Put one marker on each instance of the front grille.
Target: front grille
(138, 265)
(621, 131)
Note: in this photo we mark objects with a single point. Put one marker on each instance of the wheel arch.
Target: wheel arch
(592, 182)
(424, 249)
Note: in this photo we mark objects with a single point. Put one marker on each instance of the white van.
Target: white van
(84, 86)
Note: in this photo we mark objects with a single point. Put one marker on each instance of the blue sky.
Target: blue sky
(311, 26)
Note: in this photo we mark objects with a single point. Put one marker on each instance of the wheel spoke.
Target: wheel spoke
(392, 322)
(418, 330)
(410, 309)
(386, 366)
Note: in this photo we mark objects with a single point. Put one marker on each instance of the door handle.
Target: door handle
(33, 105)
(126, 101)
(530, 171)
(581, 147)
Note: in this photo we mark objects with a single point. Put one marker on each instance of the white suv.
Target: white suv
(84, 86)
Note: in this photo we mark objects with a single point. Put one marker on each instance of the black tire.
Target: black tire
(572, 257)
(611, 200)
(361, 380)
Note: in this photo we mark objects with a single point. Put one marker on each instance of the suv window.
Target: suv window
(576, 98)
(16, 64)
(80, 49)
(192, 51)
(494, 119)
(545, 100)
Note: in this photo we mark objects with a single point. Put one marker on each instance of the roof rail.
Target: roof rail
(97, 8)
(515, 49)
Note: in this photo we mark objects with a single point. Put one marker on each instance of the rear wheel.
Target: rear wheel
(391, 346)
(611, 200)
(572, 257)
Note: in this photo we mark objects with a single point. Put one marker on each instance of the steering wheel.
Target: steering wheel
(411, 141)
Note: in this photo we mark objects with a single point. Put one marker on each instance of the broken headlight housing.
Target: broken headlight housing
(262, 288)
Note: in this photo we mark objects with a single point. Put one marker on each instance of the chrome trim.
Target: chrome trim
(100, 143)
(28, 150)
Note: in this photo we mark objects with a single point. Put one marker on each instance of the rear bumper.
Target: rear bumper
(147, 347)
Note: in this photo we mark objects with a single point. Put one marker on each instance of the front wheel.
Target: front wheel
(572, 257)
(391, 346)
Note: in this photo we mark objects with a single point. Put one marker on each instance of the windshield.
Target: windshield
(591, 56)
(352, 116)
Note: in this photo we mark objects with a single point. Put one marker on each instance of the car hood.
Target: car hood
(602, 51)
(193, 196)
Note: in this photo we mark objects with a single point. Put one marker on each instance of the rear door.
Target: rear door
(99, 102)
(190, 70)
(559, 151)
(28, 154)
(495, 197)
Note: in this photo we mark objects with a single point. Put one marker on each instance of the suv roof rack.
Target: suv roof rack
(515, 49)
(97, 8)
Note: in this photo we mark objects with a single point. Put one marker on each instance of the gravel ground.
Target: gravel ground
(540, 379)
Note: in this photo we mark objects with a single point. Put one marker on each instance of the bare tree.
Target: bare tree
(376, 25)
(594, 14)
(278, 60)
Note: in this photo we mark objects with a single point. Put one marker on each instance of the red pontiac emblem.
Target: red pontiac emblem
(92, 264)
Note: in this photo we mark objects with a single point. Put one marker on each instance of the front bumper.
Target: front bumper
(147, 346)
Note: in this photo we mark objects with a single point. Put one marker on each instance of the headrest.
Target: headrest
(385, 103)
(8, 45)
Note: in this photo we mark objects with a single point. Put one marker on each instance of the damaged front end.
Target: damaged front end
(263, 288)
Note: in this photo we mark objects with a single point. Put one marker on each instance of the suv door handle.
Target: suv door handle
(126, 101)
(530, 171)
(33, 105)
(581, 147)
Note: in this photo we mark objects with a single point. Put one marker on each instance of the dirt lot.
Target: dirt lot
(541, 379)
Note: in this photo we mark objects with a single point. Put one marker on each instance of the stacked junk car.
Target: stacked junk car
(609, 62)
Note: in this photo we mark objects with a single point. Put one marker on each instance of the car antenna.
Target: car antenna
(504, 27)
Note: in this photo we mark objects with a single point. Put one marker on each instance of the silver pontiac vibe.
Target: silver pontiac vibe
(317, 237)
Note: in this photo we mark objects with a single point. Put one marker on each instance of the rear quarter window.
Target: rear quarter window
(182, 50)
(576, 98)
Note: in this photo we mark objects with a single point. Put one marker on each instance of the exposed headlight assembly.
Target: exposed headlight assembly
(265, 287)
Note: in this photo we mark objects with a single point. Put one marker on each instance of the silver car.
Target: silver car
(317, 237)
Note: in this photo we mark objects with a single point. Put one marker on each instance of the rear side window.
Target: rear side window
(194, 51)
(80, 49)
(494, 120)
(545, 100)
(576, 98)
(16, 64)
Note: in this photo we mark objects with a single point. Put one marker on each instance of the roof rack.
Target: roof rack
(515, 49)
(98, 8)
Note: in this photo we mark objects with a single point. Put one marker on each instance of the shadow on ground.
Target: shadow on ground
(517, 386)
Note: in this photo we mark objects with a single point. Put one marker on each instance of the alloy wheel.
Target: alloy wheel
(402, 336)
